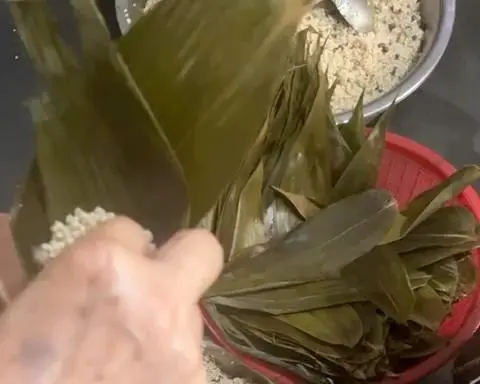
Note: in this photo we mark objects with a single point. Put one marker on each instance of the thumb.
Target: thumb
(192, 260)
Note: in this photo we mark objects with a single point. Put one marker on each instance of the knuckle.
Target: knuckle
(92, 260)
(118, 224)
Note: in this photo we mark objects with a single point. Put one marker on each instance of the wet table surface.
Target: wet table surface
(443, 115)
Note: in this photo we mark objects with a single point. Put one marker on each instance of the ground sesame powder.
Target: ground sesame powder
(77, 225)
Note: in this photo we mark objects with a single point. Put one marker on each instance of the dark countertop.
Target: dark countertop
(444, 115)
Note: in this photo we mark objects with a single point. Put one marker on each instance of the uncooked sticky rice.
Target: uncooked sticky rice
(376, 61)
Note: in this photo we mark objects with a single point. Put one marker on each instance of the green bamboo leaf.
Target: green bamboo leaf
(429, 308)
(28, 233)
(278, 132)
(296, 175)
(378, 330)
(51, 58)
(380, 275)
(447, 227)
(368, 313)
(424, 257)
(445, 278)
(322, 245)
(340, 152)
(306, 297)
(302, 205)
(418, 279)
(431, 200)
(332, 89)
(467, 276)
(208, 222)
(425, 347)
(332, 360)
(249, 225)
(227, 325)
(354, 131)
(279, 219)
(361, 173)
(241, 223)
(298, 298)
(289, 355)
(77, 115)
(395, 233)
(93, 31)
(292, 169)
(110, 176)
(413, 342)
(228, 205)
(225, 225)
(315, 141)
(336, 325)
(208, 89)
(268, 324)
(367, 359)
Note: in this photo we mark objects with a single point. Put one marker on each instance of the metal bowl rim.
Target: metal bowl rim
(419, 74)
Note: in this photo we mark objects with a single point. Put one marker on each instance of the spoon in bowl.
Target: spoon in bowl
(357, 13)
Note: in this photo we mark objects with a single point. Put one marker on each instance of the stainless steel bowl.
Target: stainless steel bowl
(438, 17)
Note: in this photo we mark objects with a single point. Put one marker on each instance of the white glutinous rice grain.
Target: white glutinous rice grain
(77, 225)
(375, 62)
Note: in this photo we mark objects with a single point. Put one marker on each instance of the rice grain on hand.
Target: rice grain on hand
(77, 225)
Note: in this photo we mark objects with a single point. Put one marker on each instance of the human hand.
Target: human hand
(102, 312)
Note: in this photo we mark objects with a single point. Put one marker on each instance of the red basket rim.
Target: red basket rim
(429, 159)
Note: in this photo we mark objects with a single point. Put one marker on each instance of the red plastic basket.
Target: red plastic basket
(407, 169)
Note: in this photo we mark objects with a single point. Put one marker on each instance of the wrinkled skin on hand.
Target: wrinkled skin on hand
(103, 312)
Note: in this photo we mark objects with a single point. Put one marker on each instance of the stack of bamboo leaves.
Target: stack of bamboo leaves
(325, 275)
(208, 113)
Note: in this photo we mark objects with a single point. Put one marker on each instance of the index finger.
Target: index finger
(192, 261)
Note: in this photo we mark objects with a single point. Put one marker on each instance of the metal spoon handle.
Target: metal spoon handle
(357, 13)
